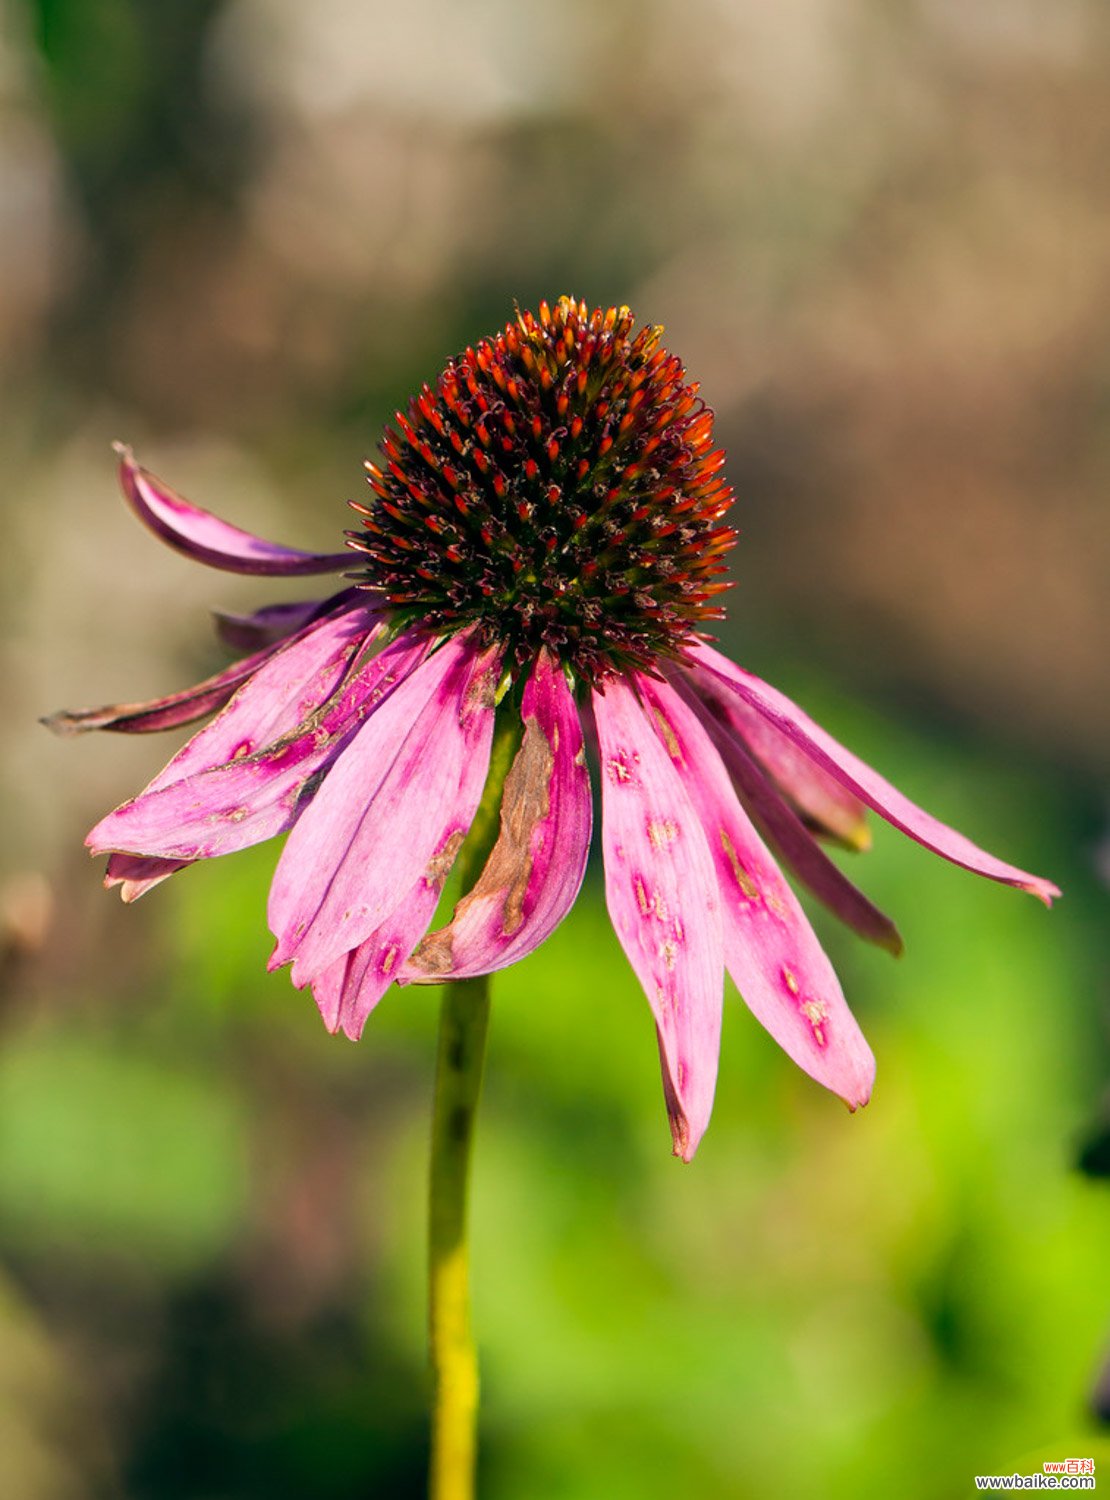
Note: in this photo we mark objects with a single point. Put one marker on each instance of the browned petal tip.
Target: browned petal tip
(892, 942)
(65, 723)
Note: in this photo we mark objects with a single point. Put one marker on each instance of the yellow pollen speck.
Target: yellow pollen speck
(618, 771)
(668, 952)
(816, 1013)
(790, 982)
(642, 900)
(665, 1000)
(670, 739)
(389, 958)
(739, 874)
(661, 831)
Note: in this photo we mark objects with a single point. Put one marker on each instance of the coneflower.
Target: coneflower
(542, 550)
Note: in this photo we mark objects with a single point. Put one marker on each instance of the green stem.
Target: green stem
(463, 1024)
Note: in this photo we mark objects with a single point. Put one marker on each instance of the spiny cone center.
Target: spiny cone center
(557, 487)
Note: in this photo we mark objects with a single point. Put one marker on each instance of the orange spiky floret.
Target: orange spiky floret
(557, 487)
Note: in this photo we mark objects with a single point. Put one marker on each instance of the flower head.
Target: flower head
(542, 549)
(558, 488)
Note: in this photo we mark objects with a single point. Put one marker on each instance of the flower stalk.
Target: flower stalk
(463, 1024)
(463, 1027)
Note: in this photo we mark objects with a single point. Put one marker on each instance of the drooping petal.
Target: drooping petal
(771, 952)
(535, 869)
(257, 794)
(200, 535)
(295, 678)
(135, 875)
(273, 699)
(796, 846)
(410, 780)
(790, 838)
(170, 712)
(376, 962)
(859, 778)
(319, 658)
(661, 890)
(821, 798)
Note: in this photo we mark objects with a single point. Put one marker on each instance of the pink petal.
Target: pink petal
(376, 962)
(858, 777)
(291, 684)
(136, 875)
(327, 991)
(818, 796)
(661, 889)
(200, 535)
(408, 782)
(258, 794)
(771, 952)
(535, 870)
(313, 662)
(791, 840)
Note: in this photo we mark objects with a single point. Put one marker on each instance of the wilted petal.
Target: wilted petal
(291, 683)
(408, 783)
(200, 535)
(535, 869)
(859, 778)
(180, 708)
(257, 794)
(791, 840)
(265, 627)
(274, 697)
(135, 875)
(661, 890)
(771, 952)
(821, 798)
(294, 680)
(377, 961)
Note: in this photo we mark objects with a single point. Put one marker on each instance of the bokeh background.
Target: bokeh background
(236, 233)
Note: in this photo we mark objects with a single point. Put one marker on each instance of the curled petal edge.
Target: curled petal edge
(792, 841)
(535, 869)
(866, 783)
(204, 537)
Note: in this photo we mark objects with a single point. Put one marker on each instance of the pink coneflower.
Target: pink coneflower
(540, 556)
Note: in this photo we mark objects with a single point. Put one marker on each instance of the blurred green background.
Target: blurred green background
(236, 233)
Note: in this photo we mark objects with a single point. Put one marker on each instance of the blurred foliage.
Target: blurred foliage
(243, 230)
